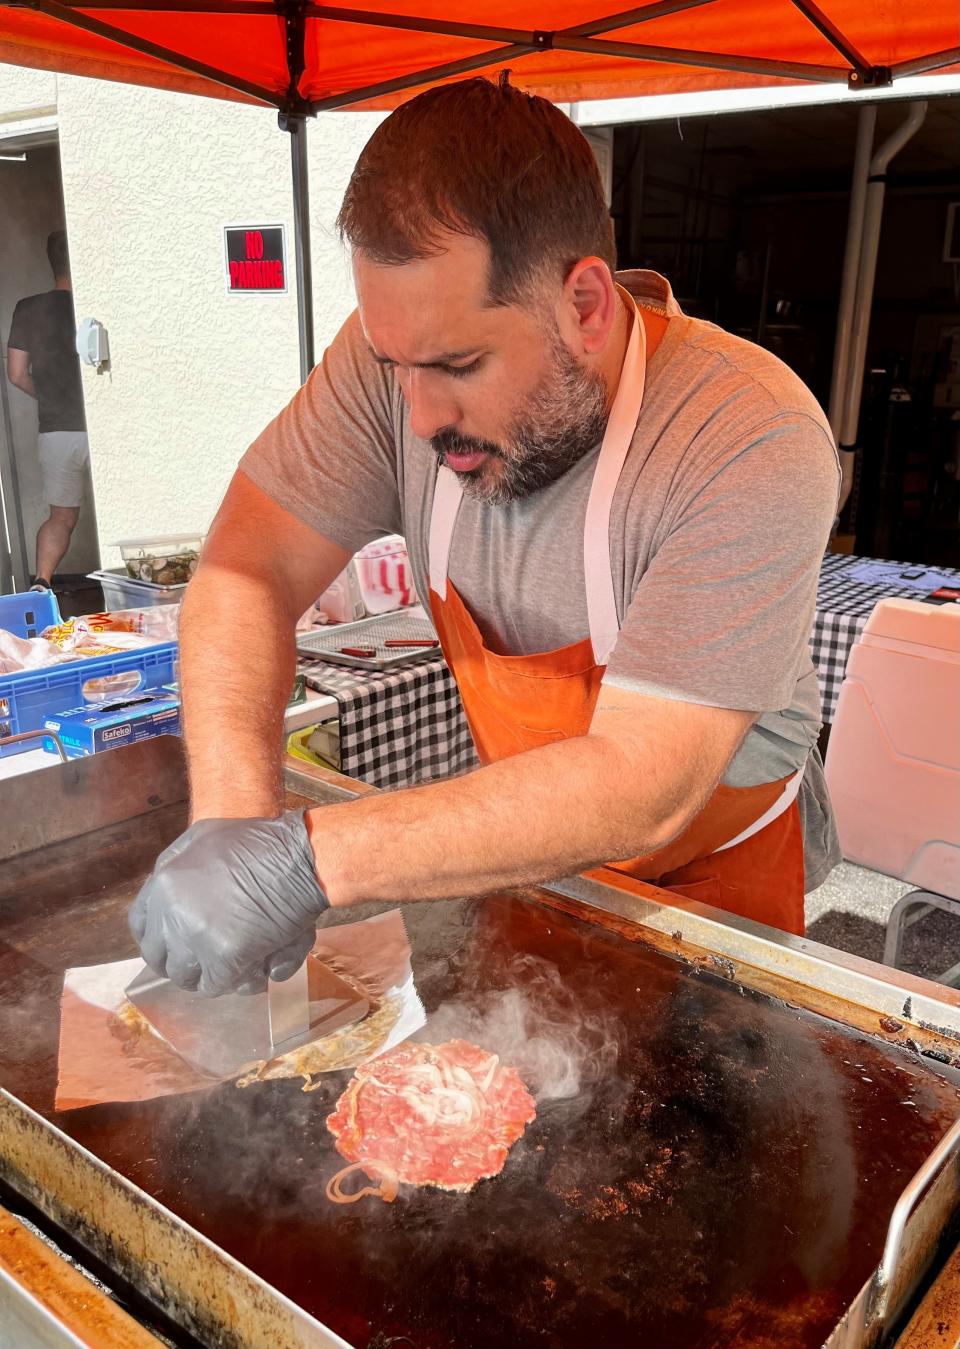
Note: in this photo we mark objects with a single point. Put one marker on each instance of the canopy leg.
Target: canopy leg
(297, 127)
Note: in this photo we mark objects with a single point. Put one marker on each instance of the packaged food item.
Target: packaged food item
(386, 580)
(341, 602)
(169, 559)
(74, 632)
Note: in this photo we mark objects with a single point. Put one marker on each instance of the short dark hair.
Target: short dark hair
(57, 252)
(486, 160)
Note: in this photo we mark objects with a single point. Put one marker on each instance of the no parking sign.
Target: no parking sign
(255, 258)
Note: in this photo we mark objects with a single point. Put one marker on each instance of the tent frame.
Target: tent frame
(508, 45)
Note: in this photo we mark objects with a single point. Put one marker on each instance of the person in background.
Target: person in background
(42, 361)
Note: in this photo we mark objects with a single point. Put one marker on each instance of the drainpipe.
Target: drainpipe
(873, 218)
(866, 124)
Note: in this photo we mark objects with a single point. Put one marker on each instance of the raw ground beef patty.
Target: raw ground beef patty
(443, 1115)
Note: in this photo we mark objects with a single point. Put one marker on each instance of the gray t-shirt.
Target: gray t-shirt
(717, 531)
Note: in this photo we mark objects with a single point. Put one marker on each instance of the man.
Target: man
(617, 516)
(42, 361)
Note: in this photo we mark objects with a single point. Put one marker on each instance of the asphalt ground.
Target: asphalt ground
(850, 911)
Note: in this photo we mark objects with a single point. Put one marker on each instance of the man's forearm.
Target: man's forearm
(546, 813)
(25, 384)
(237, 664)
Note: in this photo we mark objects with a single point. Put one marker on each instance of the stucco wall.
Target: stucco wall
(25, 91)
(149, 180)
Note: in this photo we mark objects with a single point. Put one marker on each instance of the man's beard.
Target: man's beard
(561, 421)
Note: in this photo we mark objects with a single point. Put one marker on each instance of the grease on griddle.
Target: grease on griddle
(344, 1048)
(765, 1217)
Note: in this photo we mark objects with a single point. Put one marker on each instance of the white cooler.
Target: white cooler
(893, 760)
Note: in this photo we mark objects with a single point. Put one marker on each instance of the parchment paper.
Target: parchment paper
(109, 1053)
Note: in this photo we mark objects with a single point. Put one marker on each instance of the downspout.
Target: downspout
(866, 124)
(872, 221)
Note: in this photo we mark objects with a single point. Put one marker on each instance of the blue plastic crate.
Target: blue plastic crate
(28, 615)
(29, 697)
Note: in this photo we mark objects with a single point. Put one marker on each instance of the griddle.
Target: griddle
(751, 1108)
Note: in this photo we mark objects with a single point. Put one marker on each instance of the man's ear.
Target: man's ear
(588, 306)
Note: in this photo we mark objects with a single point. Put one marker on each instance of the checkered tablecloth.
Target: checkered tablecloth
(843, 606)
(401, 728)
(408, 726)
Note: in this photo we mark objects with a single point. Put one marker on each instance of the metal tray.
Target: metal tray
(373, 632)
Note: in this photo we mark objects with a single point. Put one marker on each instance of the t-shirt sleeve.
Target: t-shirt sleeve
(20, 328)
(330, 457)
(722, 615)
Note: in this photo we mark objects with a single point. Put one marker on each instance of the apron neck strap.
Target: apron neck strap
(621, 424)
(447, 496)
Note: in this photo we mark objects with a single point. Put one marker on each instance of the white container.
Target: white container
(341, 602)
(893, 760)
(386, 580)
(121, 592)
(167, 559)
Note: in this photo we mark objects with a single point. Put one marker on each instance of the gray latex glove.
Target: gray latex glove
(229, 902)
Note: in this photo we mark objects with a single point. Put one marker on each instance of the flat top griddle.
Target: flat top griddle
(724, 1177)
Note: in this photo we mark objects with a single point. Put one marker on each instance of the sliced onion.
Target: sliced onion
(438, 1091)
(386, 1190)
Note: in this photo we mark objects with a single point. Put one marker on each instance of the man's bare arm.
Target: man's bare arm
(627, 788)
(260, 569)
(18, 370)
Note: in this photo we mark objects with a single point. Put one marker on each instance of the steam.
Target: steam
(538, 1026)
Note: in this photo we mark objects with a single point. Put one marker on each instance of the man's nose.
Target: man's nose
(431, 410)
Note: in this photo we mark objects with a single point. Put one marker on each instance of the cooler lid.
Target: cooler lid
(935, 626)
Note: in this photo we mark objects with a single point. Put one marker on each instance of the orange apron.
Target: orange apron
(744, 851)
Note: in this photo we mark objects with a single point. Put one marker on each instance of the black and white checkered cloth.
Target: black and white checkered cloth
(400, 728)
(843, 606)
(408, 726)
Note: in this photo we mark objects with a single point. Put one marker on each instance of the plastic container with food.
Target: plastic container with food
(169, 559)
(120, 591)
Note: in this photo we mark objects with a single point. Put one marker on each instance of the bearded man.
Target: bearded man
(616, 515)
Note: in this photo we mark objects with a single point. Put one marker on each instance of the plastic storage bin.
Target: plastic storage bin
(170, 559)
(28, 615)
(30, 696)
(893, 761)
(121, 592)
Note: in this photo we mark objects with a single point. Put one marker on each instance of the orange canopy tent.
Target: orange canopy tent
(304, 57)
(301, 57)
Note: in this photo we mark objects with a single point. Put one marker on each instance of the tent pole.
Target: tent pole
(297, 128)
(866, 123)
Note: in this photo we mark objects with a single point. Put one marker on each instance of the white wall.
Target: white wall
(25, 92)
(149, 180)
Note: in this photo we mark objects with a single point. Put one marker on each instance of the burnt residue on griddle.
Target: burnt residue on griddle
(720, 1175)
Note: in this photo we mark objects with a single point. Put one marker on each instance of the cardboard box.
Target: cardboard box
(122, 721)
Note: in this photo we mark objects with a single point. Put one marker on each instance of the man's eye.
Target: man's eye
(458, 371)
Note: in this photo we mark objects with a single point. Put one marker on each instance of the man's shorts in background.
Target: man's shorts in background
(64, 456)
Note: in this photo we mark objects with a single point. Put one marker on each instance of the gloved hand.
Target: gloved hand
(229, 902)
